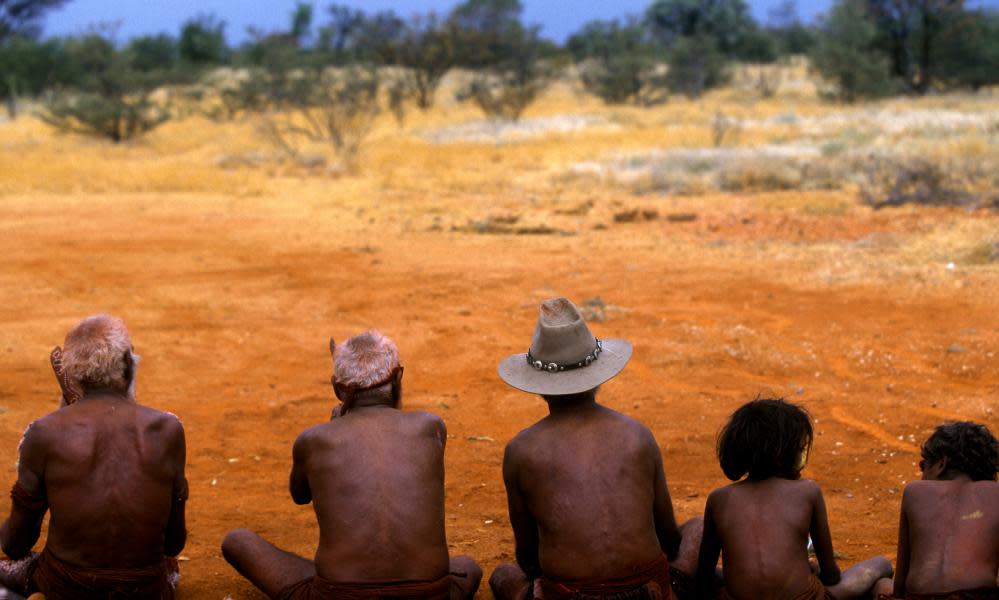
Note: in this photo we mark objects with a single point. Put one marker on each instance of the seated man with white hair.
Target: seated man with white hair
(375, 475)
(110, 471)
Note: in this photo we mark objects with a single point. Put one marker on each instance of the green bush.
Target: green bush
(508, 88)
(846, 53)
(109, 98)
(617, 63)
(696, 65)
(27, 68)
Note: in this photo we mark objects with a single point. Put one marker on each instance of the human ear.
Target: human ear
(129, 372)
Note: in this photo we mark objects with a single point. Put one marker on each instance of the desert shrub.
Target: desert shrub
(846, 53)
(893, 181)
(505, 90)
(116, 118)
(152, 53)
(202, 42)
(759, 176)
(426, 49)
(616, 63)
(762, 81)
(27, 68)
(969, 53)
(727, 23)
(110, 98)
(335, 107)
(695, 65)
(486, 32)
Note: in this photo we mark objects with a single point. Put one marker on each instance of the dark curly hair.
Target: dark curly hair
(969, 448)
(764, 438)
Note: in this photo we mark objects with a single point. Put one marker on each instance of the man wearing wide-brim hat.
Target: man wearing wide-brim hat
(588, 501)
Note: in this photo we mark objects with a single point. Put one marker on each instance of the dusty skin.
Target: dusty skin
(232, 282)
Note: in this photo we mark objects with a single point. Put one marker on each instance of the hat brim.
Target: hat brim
(516, 371)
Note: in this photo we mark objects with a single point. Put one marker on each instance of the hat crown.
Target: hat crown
(561, 335)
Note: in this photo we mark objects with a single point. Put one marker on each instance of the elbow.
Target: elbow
(175, 543)
(829, 576)
(17, 545)
(529, 564)
(15, 550)
(671, 547)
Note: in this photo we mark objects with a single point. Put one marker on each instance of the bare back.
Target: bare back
(589, 481)
(113, 471)
(376, 480)
(949, 535)
(762, 528)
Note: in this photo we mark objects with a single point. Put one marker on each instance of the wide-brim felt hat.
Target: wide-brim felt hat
(565, 357)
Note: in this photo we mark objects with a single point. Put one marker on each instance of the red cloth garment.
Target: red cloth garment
(59, 580)
(815, 591)
(989, 593)
(317, 588)
(28, 502)
(650, 581)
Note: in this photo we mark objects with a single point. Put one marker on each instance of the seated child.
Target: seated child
(948, 536)
(761, 524)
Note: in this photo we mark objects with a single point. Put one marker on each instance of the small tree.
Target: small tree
(726, 22)
(26, 68)
(152, 53)
(331, 106)
(483, 31)
(969, 55)
(909, 33)
(695, 65)
(508, 88)
(616, 62)
(846, 53)
(202, 42)
(21, 17)
(111, 98)
(700, 37)
(426, 49)
(24, 65)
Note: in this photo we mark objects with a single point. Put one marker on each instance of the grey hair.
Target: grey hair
(365, 359)
(94, 354)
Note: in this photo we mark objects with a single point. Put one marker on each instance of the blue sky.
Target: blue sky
(558, 18)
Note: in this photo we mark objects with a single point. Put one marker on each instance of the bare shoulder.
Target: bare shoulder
(39, 432)
(521, 445)
(324, 430)
(803, 488)
(424, 419)
(807, 486)
(626, 428)
(916, 489)
(719, 495)
(161, 421)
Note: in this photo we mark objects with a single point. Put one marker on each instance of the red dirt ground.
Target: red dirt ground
(231, 302)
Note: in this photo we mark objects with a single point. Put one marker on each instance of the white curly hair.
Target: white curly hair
(94, 354)
(365, 359)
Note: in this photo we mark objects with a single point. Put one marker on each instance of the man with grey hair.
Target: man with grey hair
(375, 476)
(112, 474)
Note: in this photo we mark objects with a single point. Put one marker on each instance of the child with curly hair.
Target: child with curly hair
(761, 523)
(948, 534)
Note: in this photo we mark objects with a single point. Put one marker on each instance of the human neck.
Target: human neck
(950, 475)
(106, 394)
(571, 403)
(364, 401)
